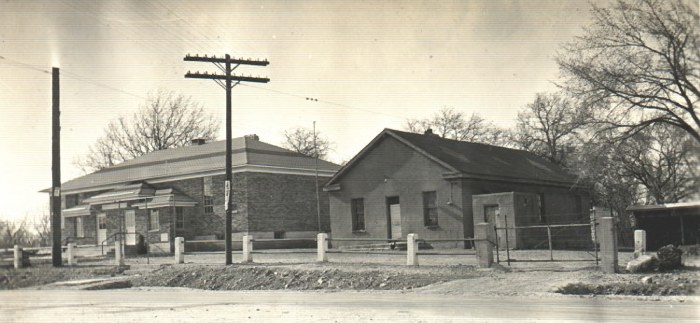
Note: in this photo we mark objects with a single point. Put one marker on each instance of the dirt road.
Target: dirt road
(178, 305)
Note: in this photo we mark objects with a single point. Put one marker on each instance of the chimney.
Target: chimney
(252, 137)
(429, 132)
(198, 141)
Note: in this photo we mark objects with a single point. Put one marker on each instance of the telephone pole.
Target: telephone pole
(56, 258)
(226, 81)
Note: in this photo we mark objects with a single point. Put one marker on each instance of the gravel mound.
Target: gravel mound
(267, 278)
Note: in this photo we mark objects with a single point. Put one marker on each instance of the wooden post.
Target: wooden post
(411, 249)
(484, 247)
(70, 254)
(118, 259)
(640, 243)
(322, 246)
(247, 248)
(18, 257)
(549, 238)
(179, 250)
(608, 245)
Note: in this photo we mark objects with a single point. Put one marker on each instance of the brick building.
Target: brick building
(180, 192)
(404, 183)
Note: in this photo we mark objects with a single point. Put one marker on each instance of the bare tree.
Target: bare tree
(550, 126)
(662, 159)
(14, 233)
(451, 124)
(638, 61)
(167, 120)
(41, 229)
(302, 141)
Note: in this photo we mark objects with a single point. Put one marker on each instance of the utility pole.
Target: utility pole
(318, 199)
(226, 81)
(56, 258)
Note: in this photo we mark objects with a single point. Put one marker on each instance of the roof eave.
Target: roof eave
(376, 141)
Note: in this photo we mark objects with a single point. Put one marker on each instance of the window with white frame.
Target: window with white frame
(179, 218)
(208, 196)
(153, 220)
(79, 230)
(430, 209)
(358, 214)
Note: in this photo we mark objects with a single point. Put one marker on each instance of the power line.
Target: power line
(70, 75)
(307, 98)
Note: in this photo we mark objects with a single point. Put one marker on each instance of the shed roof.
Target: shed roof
(667, 206)
(192, 160)
(475, 160)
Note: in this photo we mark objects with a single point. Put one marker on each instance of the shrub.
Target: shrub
(669, 257)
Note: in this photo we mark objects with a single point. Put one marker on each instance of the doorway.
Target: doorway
(130, 222)
(393, 217)
(101, 227)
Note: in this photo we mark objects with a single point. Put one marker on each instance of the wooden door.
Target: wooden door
(101, 228)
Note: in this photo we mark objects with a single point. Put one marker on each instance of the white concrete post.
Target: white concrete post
(411, 249)
(70, 254)
(18, 257)
(608, 245)
(118, 259)
(179, 250)
(247, 248)
(322, 247)
(640, 243)
(483, 234)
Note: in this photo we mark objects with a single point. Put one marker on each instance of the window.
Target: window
(71, 201)
(102, 222)
(179, 218)
(543, 217)
(79, 232)
(430, 210)
(357, 207)
(153, 220)
(279, 234)
(208, 196)
(208, 204)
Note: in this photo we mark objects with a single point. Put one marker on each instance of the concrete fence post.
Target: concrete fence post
(247, 248)
(483, 233)
(179, 250)
(411, 249)
(640, 243)
(118, 259)
(70, 254)
(608, 245)
(18, 257)
(322, 247)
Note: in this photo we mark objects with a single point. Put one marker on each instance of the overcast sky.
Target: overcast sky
(371, 64)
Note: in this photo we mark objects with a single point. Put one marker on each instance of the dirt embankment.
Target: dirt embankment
(275, 278)
(45, 274)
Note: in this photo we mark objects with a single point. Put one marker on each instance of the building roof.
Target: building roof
(668, 206)
(209, 158)
(473, 160)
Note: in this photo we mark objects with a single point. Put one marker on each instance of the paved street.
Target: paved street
(177, 305)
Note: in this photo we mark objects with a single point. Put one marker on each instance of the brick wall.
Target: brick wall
(280, 202)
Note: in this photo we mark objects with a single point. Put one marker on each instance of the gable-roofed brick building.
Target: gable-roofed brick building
(438, 188)
(180, 192)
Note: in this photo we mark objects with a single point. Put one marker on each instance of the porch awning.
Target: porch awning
(126, 193)
(166, 198)
(78, 210)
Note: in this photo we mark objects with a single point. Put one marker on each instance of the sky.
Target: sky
(370, 64)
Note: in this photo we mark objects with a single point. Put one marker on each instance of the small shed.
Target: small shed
(673, 223)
